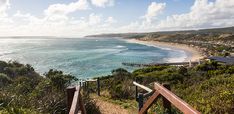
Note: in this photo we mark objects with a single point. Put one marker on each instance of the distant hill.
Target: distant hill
(228, 30)
(125, 35)
(211, 41)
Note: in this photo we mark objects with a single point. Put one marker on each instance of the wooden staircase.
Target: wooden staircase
(76, 105)
(168, 99)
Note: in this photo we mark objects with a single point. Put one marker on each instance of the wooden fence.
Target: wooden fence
(74, 97)
(168, 99)
(74, 100)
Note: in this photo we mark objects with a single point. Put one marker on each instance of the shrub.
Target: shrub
(120, 87)
(4, 80)
(58, 79)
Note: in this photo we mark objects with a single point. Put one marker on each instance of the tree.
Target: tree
(60, 80)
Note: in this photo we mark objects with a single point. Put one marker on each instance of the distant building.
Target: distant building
(225, 60)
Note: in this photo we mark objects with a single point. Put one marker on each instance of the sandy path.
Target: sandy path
(109, 108)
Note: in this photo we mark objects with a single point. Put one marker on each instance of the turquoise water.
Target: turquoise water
(83, 57)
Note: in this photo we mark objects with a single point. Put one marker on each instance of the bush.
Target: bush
(58, 79)
(4, 80)
(23, 91)
(120, 87)
(207, 66)
(90, 104)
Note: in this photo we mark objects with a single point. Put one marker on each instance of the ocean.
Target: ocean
(83, 57)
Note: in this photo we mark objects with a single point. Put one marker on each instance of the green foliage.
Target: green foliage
(214, 95)
(230, 70)
(14, 69)
(23, 91)
(58, 79)
(23, 85)
(148, 70)
(208, 87)
(12, 110)
(120, 87)
(4, 80)
(207, 66)
(90, 104)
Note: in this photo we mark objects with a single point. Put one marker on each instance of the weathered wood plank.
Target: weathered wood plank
(75, 100)
(143, 87)
(75, 103)
(176, 101)
(70, 95)
(149, 103)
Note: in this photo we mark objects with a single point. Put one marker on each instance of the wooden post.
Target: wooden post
(87, 86)
(80, 83)
(190, 63)
(136, 93)
(70, 94)
(166, 103)
(140, 100)
(82, 107)
(98, 86)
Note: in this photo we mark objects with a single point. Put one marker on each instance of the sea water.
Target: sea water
(83, 57)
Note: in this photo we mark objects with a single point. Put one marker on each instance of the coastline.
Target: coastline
(194, 54)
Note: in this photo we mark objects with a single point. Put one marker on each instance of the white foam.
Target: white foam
(151, 45)
(120, 46)
(177, 59)
(174, 57)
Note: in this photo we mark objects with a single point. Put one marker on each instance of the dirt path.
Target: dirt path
(109, 108)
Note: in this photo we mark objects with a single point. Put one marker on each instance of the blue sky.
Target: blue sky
(124, 10)
(84, 17)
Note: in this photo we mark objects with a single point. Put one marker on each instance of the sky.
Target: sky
(77, 18)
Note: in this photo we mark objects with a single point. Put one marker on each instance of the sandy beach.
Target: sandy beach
(194, 55)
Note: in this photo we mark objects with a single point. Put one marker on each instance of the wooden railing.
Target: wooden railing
(74, 100)
(168, 99)
(85, 84)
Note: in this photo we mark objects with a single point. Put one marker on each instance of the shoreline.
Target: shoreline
(192, 53)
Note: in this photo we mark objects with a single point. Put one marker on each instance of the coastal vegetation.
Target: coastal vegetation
(209, 43)
(24, 91)
(208, 87)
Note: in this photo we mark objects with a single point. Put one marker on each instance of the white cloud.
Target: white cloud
(94, 19)
(102, 3)
(148, 23)
(154, 9)
(28, 24)
(58, 13)
(111, 20)
(203, 14)
(63, 9)
(57, 22)
(4, 5)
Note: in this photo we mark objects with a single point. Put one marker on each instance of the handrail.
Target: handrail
(175, 100)
(74, 99)
(142, 86)
(168, 99)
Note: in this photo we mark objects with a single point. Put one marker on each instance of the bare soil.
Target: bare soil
(110, 108)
